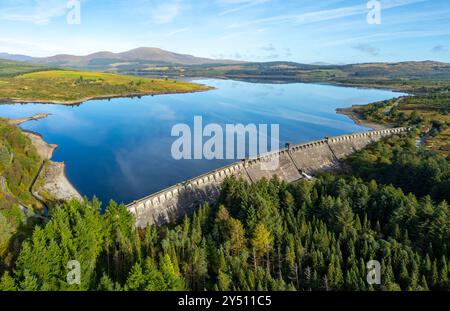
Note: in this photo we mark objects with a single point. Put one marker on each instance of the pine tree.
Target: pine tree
(223, 281)
(7, 283)
(262, 240)
(237, 236)
(443, 276)
(434, 275)
(334, 274)
(424, 283)
(136, 280)
(154, 280)
(29, 282)
(344, 215)
(105, 284)
(171, 279)
(404, 275)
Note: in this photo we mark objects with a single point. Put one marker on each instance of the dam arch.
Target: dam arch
(296, 162)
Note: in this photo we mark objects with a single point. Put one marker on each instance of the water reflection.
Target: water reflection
(120, 149)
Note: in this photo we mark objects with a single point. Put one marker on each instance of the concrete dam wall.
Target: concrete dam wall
(295, 162)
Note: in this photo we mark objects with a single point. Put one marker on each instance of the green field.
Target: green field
(68, 86)
(11, 68)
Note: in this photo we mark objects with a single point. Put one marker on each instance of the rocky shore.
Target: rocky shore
(51, 182)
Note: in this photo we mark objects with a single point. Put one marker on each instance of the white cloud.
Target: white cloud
(15, 46)
(77, 45)
(239, 5)
(178, 31)
(324, 15)
(166, 12)
(38, 12)
(384, 36)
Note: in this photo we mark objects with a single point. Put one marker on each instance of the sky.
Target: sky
(305, 31)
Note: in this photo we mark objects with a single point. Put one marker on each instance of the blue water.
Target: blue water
(121, 149)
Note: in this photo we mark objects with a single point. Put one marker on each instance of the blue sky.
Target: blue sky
(307, 31)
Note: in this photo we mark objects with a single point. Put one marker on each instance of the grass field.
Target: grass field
(11, 68)
(69, 87)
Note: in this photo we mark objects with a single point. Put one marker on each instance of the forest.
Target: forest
(309, 235)
(19, 164)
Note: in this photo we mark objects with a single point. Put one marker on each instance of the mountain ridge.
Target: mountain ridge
(160, 56)
(149, 54)
(157, 63)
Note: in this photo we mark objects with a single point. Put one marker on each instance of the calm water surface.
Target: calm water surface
(121, 149)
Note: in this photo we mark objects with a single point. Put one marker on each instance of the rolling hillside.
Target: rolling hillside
(153, 62)
(10, 68)
(22, 82)
(109, 60)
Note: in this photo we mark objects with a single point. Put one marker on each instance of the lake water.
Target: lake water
(121, 149)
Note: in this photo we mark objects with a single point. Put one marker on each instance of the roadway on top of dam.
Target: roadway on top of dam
(293, 163)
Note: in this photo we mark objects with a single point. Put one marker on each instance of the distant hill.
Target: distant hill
(108, 60)
(15, 57)
(154, 62)
(10, 68)
(295, 72)
(407, 70)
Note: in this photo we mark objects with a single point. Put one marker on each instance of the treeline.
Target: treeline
(9, 68)
(265, 236)
(410, 110)
(398, 161)
(311, 235)
(19, 164)
(427, 111)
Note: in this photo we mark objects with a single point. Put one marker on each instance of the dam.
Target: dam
(295, 162)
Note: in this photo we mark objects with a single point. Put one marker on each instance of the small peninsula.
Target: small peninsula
(69, 87)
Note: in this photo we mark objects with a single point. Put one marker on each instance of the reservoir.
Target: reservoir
(120, 149)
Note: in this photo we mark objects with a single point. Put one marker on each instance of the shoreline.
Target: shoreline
(52, 174)
(99, 97)
(281, 80)
(360, 121)
(51, 177)
(33, 118)
(262, 80)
